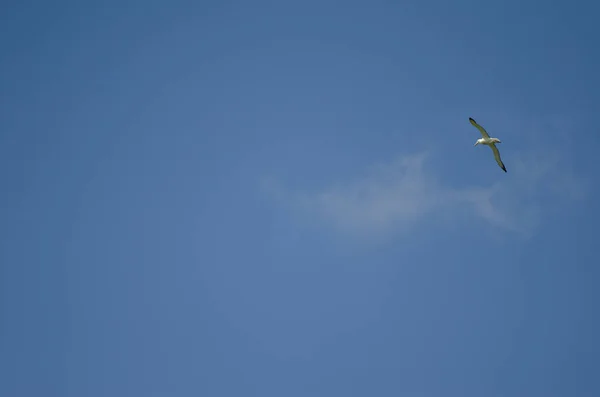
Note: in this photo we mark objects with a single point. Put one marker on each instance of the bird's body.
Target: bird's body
(489, 141)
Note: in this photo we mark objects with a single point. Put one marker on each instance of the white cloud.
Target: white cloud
(398, 195)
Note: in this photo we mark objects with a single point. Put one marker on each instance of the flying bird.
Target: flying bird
(491, 142)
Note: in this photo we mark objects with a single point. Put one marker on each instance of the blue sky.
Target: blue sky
(283, 199)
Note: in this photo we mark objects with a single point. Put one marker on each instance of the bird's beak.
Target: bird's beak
(476, 143)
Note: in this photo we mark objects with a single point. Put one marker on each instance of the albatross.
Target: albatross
(491, 142)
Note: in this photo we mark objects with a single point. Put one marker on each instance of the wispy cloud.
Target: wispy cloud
(399, 194)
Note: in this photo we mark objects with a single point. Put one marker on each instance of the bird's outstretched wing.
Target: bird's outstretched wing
(497, 156)
(480, 128)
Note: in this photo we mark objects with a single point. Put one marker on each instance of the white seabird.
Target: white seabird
(491, 142)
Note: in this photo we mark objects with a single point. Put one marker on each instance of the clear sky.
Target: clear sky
(281, 199)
